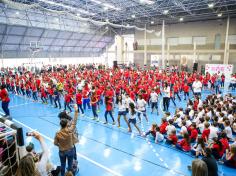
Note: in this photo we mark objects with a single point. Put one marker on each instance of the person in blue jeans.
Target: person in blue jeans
(65, 140)
(5, 100)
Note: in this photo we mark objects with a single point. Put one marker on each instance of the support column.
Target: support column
(226, 55)
(145, 46)
(163, 44)
(194, 52)
(168, 52)
(119, 45)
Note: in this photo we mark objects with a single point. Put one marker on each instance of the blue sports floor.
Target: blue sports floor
(106, 150)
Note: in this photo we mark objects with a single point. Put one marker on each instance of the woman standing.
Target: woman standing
(121, 109)
(5, 100)
(166, 96)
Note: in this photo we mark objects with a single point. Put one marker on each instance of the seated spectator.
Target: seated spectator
(172, 138)
(159, 136)
(210, 162)
(194, 132)
(170, 127)
(213, 131)
(224, 141)
(28, 166)
(217, 148)
(163, 125)
(183, 129)
(198, 148)
(184, 144)
(152, 130)
(206, 132)
(228, 130)
(230, 159)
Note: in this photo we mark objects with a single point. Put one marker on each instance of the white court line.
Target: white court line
(78, 154)
(20, 105)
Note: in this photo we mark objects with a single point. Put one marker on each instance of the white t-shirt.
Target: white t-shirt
(197, 86)
(166, 92)
(159, 137)
(213, 132)
(170, 128)
(141, 103)
(122, 106)
(128, 101)
(154, 97)
(228, 132)
(201, 127)
(183, 130)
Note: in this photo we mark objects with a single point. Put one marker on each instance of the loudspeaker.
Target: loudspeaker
(195, 66)
(115, 64)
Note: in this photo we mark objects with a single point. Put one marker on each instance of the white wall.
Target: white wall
(14, 62)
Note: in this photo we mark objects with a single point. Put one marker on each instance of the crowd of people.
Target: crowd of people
(206, 127)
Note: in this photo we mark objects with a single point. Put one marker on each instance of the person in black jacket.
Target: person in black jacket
(210, 162)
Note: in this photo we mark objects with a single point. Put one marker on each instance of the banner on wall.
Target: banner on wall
(155, 60)
(219, 69)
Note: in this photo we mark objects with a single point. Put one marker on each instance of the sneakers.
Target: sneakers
(113, 123)
(105, 123)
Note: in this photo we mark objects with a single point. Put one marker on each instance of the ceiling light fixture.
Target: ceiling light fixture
(149, 2)
(17, 13)
(219, 14)
(152, 22)
(107, 20)
(166, 12)
(211, 5)
(133, 16)
(181, 19)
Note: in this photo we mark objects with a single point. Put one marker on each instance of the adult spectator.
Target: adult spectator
(210, 162)
(199, 168)
(197, 87)
(30, 165)
(65, 140)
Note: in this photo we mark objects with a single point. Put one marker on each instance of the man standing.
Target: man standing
(65, 140)
(197, 87)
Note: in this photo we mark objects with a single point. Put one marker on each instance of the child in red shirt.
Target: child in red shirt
(172, 138)
(43, 95)
(186, 90)
(206, 132)
(67, 100)
(79, 101)
(94, 101)
(184, 144)
(194, 132)
(163, 125)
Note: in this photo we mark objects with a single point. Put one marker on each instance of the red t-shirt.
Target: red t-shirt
(163, 127)
(185, 145)
(109, 106)
(79, 98)
(173, 138)
(4, 95)
(194, 134)
(225, 143)
(205, 134)
(186, 88)
(67, 98)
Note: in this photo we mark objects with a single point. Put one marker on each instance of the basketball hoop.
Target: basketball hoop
(35, 49)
